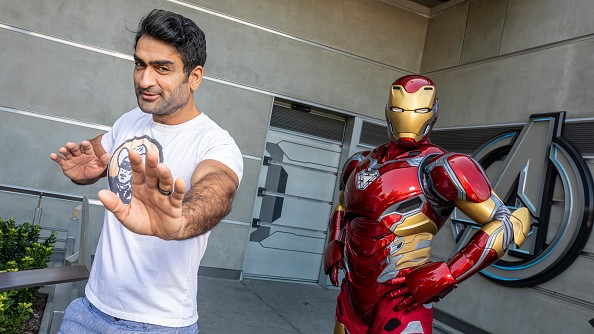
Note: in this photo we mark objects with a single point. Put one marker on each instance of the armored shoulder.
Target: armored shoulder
(350, 166)
(458, 176)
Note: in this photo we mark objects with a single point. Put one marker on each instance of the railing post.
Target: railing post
(37, 211)
(79, 263)
(85, 237)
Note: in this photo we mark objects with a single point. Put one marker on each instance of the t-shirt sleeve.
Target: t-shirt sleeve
(222, 148)
(107, 140)
(109, 137)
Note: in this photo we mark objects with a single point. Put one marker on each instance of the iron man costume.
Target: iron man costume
(393, 200)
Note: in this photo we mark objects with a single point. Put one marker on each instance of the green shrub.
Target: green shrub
(20, 249)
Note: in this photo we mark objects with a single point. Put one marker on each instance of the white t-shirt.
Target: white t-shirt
(145, 278)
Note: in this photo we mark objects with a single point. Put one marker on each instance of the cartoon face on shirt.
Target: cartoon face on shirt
(120, 171)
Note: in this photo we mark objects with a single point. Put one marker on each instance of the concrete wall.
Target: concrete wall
(496, 62)
(65, 74)
(66, 66)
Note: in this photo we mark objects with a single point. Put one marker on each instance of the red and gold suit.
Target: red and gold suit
(393, 200)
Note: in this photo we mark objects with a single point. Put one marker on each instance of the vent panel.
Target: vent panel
(310, 123)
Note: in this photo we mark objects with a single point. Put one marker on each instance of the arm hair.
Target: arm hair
(207, 202)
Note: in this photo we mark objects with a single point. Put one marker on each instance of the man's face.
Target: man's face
(124, 176)
(160, 84)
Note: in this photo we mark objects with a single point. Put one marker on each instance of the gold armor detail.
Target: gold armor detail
(415, 111)
(416, 224)
(423, 98)
(340, 205)
(520, 218)
(479, 212)
(495, 230)
(339, 328)
(411, 255)
(482, 212)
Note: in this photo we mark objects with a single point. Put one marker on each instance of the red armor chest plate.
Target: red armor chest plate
(372, 187)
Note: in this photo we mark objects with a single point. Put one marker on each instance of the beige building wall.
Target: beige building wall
(66, 66)
(66, 75)
(496, 62)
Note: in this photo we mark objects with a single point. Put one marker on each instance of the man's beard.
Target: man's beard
(162, 106)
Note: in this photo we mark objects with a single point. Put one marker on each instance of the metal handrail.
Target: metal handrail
(42, 193)
(84, 258)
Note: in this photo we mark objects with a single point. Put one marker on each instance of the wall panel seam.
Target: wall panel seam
(206, 77)
(503, 27)
(564, 297)
(66, 42)
(523, 52)
(261, 28)
(283, 34)
(464, 35)
(487, 126)
(83, 124)
(54, 118)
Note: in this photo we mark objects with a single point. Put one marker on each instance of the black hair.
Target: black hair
(179, 32)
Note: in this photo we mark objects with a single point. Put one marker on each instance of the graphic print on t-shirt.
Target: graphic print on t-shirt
(120, 172)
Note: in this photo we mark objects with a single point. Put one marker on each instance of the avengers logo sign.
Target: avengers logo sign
(537, 169)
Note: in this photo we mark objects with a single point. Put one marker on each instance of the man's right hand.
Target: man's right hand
(79, 162)
(333, 260)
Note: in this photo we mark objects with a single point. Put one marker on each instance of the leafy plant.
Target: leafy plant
(20, 249)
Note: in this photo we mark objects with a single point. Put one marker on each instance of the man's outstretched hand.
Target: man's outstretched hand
(150, 211)
(79, 162)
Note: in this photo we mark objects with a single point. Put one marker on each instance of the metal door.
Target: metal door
(294, 201)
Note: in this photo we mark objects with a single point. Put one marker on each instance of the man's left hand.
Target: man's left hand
(152, 210)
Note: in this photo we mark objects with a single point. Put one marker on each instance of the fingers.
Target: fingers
(113, 203)
(138, 168)
(412, 307)
(156, 176)
(86, 147)
(164, 178)
(396, 280)
(398, 292)
(406, 302)
(179, 191)
(334, 276)
(71, 149)
(104, 159)
(56, 158)
(152, 178)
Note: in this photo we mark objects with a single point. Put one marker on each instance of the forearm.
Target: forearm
(207, 202)
(432, 281)
(337, 219)
(490, 243)
(334, 249)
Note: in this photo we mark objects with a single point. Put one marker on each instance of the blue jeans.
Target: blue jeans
(82, 317)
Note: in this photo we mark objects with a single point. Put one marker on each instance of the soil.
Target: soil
(34, 323)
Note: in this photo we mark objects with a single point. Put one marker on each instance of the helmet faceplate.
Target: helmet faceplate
(412, 109)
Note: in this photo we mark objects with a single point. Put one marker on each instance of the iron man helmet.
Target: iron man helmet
(411, 110)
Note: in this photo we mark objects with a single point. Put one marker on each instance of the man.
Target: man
(184, 173)
(393, 200)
